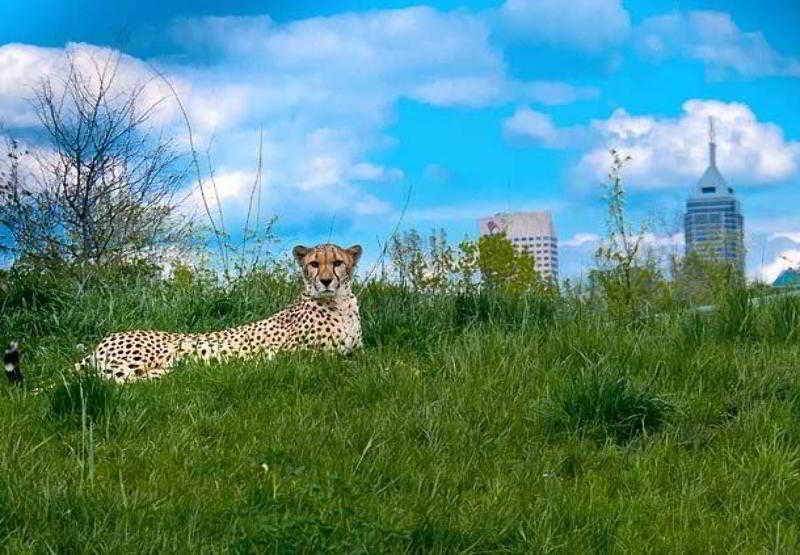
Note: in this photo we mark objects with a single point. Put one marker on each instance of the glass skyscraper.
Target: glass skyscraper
(713, 223)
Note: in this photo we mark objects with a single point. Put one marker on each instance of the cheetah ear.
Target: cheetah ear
(299, 253)
(355, 251)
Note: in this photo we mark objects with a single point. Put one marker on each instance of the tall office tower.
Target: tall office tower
(531, 233)
(713, 223)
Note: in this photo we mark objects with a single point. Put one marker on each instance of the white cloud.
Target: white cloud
(25, 67)
(653, 241)
(789, 258)
(18, 62)
(213, 106)
(674, 151)
(437, 172)
(580, 239)
(471, 212)
(528, 125)
(793, 236)
(322, 91)
(459, 91)
(714, 39)
(533, 125)
(365, 171)
(553, 93)
(656, 241)
(308, 152)
(368, 205)
(443, 58)
(227, 186)
(326, 87)
(591, 25)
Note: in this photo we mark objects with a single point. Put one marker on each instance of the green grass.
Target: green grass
(475, 424)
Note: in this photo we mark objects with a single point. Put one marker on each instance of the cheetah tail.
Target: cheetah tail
(11, 358)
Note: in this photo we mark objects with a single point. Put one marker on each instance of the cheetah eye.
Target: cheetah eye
(314, 264)
(337, 263)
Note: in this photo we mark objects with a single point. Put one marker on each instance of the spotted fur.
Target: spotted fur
(325, 317)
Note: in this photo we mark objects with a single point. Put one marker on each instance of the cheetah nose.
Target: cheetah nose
(325, 281)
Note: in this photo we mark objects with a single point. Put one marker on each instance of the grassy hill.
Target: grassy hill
(468, 423)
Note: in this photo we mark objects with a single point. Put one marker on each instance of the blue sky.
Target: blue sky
(474, 107)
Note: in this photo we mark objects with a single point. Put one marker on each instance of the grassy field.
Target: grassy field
(468, 424)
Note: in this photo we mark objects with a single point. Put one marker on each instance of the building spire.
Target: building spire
(712, 146)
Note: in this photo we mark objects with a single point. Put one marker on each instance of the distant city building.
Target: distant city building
(531, 233)
(713, 223)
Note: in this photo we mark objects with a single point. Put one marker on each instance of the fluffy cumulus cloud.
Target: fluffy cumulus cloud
(669, 152)
(788, 258)
(26, 67)
(590, 25)
(365, 171)
(443, 58)
(318, 93)
(580, 239)
(530, 127)
(325, 89)
(659, 241)
(714, 39)
(793, 236)
(230, 186)
(19, 61)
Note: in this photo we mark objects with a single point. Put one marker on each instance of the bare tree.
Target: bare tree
(100, 187)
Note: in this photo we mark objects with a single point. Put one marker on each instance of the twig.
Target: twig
(394, 231)
(256, 187)
(330, 228)
(195, 159)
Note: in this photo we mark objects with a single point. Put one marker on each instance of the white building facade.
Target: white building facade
(531, 233)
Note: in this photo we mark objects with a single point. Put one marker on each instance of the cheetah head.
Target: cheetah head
(327, 269)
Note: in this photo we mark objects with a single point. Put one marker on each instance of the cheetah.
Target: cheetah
(325, 317)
